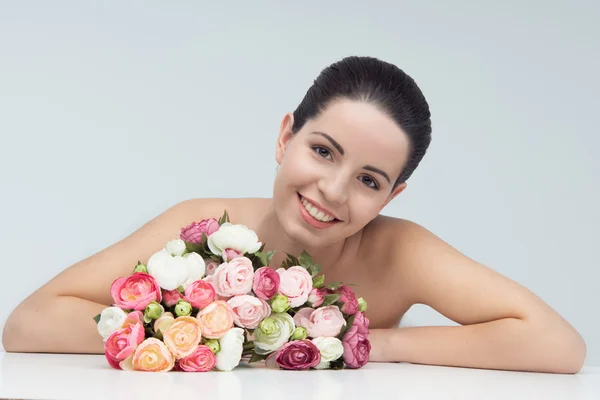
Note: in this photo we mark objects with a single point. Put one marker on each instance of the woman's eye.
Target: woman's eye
(322, 151)
(370, 182)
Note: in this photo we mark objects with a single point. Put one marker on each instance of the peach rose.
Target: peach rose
(183, 336)
(153, 355)
(296, 284)
(216, 319)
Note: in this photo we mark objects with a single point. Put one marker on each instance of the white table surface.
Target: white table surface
(66, 376)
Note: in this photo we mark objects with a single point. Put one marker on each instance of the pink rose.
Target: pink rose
(216, 319)
(171, 297)
(211, 266)
(298, 355)
(234, 277)
(266, 283)
(135, 291)
(230, 254)
(248, 310)
(302, 317)
(200, 294)
(347, 297)
(316, 297)
(202, 360)
(323, 322)
(193, 232)
(122, 343)
(296, 284)
(361, 322)
(356, 348)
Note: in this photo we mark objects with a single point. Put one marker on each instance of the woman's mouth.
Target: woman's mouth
(313, 216)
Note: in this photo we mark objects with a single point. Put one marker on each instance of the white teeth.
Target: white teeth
(316, 214)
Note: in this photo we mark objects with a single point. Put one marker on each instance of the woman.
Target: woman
(343, 155)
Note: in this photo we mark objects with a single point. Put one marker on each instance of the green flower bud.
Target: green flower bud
(299, 333)
(280, 303)
(318, 281)
(213, 345)
(183, 308)
(268, 326)
(140, 268)
(362, 304)
(153, 311)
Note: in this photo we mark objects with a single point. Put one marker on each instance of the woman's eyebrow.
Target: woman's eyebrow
(341, 150)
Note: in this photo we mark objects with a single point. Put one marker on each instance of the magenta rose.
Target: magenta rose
(171, 297)
(122, 343)
(316, 297)
(201, 360)
(135, 292)
(362, 323)
(234, 277)
(266, 283)
(356, 348)
(200, 294)
(348, 299)
(298, 355)
(296, 284)
(193, 232)
(248, 310)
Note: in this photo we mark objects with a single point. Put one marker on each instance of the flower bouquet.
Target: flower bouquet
(210, 298)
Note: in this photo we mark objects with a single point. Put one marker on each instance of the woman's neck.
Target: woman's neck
(271, 232)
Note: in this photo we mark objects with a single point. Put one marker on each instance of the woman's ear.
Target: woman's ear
(394, 193)
(285, 135)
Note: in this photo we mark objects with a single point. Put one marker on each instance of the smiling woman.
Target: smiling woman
(348, 149)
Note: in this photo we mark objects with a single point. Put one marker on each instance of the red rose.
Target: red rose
(347, 297)
(298, 354)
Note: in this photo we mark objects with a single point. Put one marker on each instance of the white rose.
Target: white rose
(331, 348)
(171, 271)
(196, 267)
(235, 237)
(273, 332)
(176, 247)
(230, 354)
(111, 319)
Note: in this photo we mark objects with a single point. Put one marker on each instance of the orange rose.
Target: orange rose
(216, 319)
(152, 355)
(183, 337)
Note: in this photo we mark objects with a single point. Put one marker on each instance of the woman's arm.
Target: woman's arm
(58, 317)
(505, 326)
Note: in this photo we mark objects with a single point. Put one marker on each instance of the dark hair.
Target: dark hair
(381, 84)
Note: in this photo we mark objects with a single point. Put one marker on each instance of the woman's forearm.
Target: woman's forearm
(57, 324)
(507, 344)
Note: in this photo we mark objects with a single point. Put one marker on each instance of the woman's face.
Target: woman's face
(345, 161)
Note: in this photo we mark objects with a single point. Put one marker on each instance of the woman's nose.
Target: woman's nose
(334, 188)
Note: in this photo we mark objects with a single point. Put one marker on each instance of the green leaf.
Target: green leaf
(263, 258)
(194, 247)
(333, 285)
(306, 260)
(257, 357)
(318, 281)
(290, 261)
(337, 364)
(270, 255)
(97, 318)
(330, 299)
(224, 218)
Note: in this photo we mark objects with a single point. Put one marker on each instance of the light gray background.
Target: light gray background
(110, 112)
